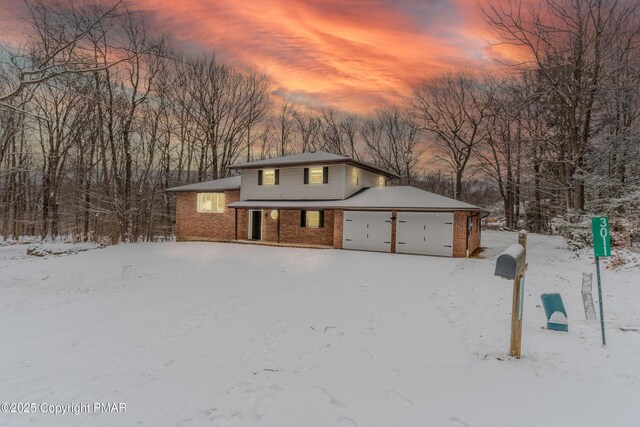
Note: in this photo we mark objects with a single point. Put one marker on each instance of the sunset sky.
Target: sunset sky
(350, 55)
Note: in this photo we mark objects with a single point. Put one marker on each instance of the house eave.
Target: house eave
(327, 204)
(199, 190)
(351, 162)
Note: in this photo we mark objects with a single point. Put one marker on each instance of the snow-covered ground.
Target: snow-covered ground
(204, 334)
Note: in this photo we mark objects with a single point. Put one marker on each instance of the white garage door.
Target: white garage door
(426, 233)
(368, 231)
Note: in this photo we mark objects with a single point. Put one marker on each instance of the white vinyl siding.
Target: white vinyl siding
(210, 202)
(291, 185)
(357, 179)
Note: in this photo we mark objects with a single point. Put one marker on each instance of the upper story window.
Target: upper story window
(210, 202)
(355, 176)
(381, 181)
(316, 175)
(268, 177)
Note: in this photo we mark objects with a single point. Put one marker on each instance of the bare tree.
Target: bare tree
(308, 128)
(338, 133)
(65, 109)
(500, 157)
(453, 109)
(391, 141)
(285, 125)
(60, 43)
(257, 92)
(569, 43)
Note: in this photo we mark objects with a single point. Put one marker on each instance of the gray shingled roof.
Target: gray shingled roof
(310, 157)
(232, 183)
(395, 197)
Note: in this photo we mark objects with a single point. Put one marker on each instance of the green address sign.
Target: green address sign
(601, 236)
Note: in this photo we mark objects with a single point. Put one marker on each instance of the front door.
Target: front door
(255, 225)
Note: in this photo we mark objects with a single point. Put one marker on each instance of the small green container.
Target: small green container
(555, 312)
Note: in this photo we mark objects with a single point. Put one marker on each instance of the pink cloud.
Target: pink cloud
(349, 55)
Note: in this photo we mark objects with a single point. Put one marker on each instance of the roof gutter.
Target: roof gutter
(245, 205)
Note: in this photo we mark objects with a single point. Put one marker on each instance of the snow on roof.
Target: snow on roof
(232, 183)
(404, 197)
(395, 197)
(310, 157)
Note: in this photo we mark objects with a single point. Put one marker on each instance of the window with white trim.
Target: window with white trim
(210, 202)
(316, 175)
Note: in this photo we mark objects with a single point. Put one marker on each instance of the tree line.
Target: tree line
(558, 132)
(99, 115)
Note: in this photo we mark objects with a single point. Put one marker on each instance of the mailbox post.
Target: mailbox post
(512, 264)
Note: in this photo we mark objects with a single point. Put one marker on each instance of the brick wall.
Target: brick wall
(243, 224)
(192, 225)
(338, 216)
(474, 240)
(269, 226)
(460, 233)
(394, 230)
(291, 232)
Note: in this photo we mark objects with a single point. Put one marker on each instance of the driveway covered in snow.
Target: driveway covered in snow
(191, 334)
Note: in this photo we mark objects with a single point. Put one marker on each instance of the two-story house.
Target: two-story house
(318, 199)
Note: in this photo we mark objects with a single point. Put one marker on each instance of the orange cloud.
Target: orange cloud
(352, 56)
(348, 55)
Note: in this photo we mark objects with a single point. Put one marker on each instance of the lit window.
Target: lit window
(355, 176)
(316, 175)
(211, 202)
(313, 219)
(381, 181)
(269, 177)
